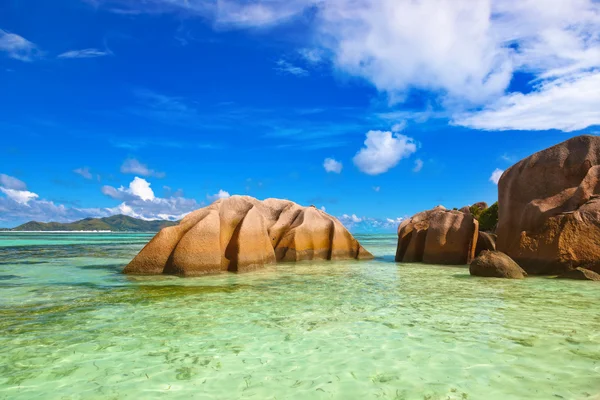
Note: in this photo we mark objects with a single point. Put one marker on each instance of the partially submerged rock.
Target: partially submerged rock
(549, 208)
(437, 236)
(241, 233)
(580, 274)
(494, 264)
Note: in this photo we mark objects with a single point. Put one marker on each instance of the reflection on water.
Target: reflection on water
(71, 326)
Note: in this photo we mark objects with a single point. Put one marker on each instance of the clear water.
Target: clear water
(73, 327)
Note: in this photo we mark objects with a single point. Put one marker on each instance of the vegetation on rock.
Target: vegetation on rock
(116, 223)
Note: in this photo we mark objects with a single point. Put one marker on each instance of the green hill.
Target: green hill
(116, 223)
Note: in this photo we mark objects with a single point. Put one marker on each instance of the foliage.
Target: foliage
(116, 223)
(488, 218)
(475, 211)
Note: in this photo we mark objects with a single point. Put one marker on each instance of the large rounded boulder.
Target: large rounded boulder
(240, 234)
(549, 208)
(438, 236)
(494, 264)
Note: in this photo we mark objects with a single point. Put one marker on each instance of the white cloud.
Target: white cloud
(323, 208)
(220, 195)
(84, 53)
(399, 126)
(444, 46)
(368, 224)
(289, 68)
(138, 188)
(134, 167)
(418, 165)
(464, 52)
(84, 172)
(257, 14)
(17, 47)
(350, 218)
(570, 103)
(382, 151)
(376, 188)
(313, 55)
(19, 196)
(138, 201)
(332, 165)
(496, 176)
(10, 182)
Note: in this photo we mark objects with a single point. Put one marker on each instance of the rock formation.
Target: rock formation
(549, 208)
(241, 233)
(481, 205)
(437, 236)
(485, 241)
(494, 264)
(580, 274)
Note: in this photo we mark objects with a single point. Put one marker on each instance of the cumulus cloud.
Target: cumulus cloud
(138, 201)
(495, 178)
(138, 188)
(358, 224)
(418, 165)
(220, 195)
(331, 165)
(19, 196)
(17, 47)
(10, 182)
(84, 53)
(84, 172)
(134, 167)
(382, 151)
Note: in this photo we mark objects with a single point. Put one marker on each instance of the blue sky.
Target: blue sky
(374, 110)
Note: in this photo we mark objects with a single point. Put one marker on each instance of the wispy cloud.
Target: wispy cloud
(10, 182)
(134, 167)
(312, 55)
(289, 68)
(570, 103)
(84, 53)
(495, 178)
(84, 172)
(418, 165)
(17, 47)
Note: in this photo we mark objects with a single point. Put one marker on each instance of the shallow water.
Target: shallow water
(73, 327)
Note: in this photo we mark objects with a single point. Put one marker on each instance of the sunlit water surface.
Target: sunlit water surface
(73, 327)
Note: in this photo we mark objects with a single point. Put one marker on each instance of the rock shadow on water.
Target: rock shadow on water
(9, 277)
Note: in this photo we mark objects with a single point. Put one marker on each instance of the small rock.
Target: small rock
(494, 264)
(581, 274)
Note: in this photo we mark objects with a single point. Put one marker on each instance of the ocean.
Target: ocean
(73, 327)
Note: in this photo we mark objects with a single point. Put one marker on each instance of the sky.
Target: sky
(372, 110)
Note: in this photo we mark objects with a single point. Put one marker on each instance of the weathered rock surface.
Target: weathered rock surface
(437, 236)
(580, 274)
(481, 205)
(485, 241)
(241, 233)
(494, 264)
(549, 208)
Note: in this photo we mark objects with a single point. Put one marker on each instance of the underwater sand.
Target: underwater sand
(73, 327)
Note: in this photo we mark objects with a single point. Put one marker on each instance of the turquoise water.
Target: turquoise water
(73, 327)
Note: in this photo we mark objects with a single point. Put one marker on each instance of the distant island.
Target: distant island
(116, 223)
